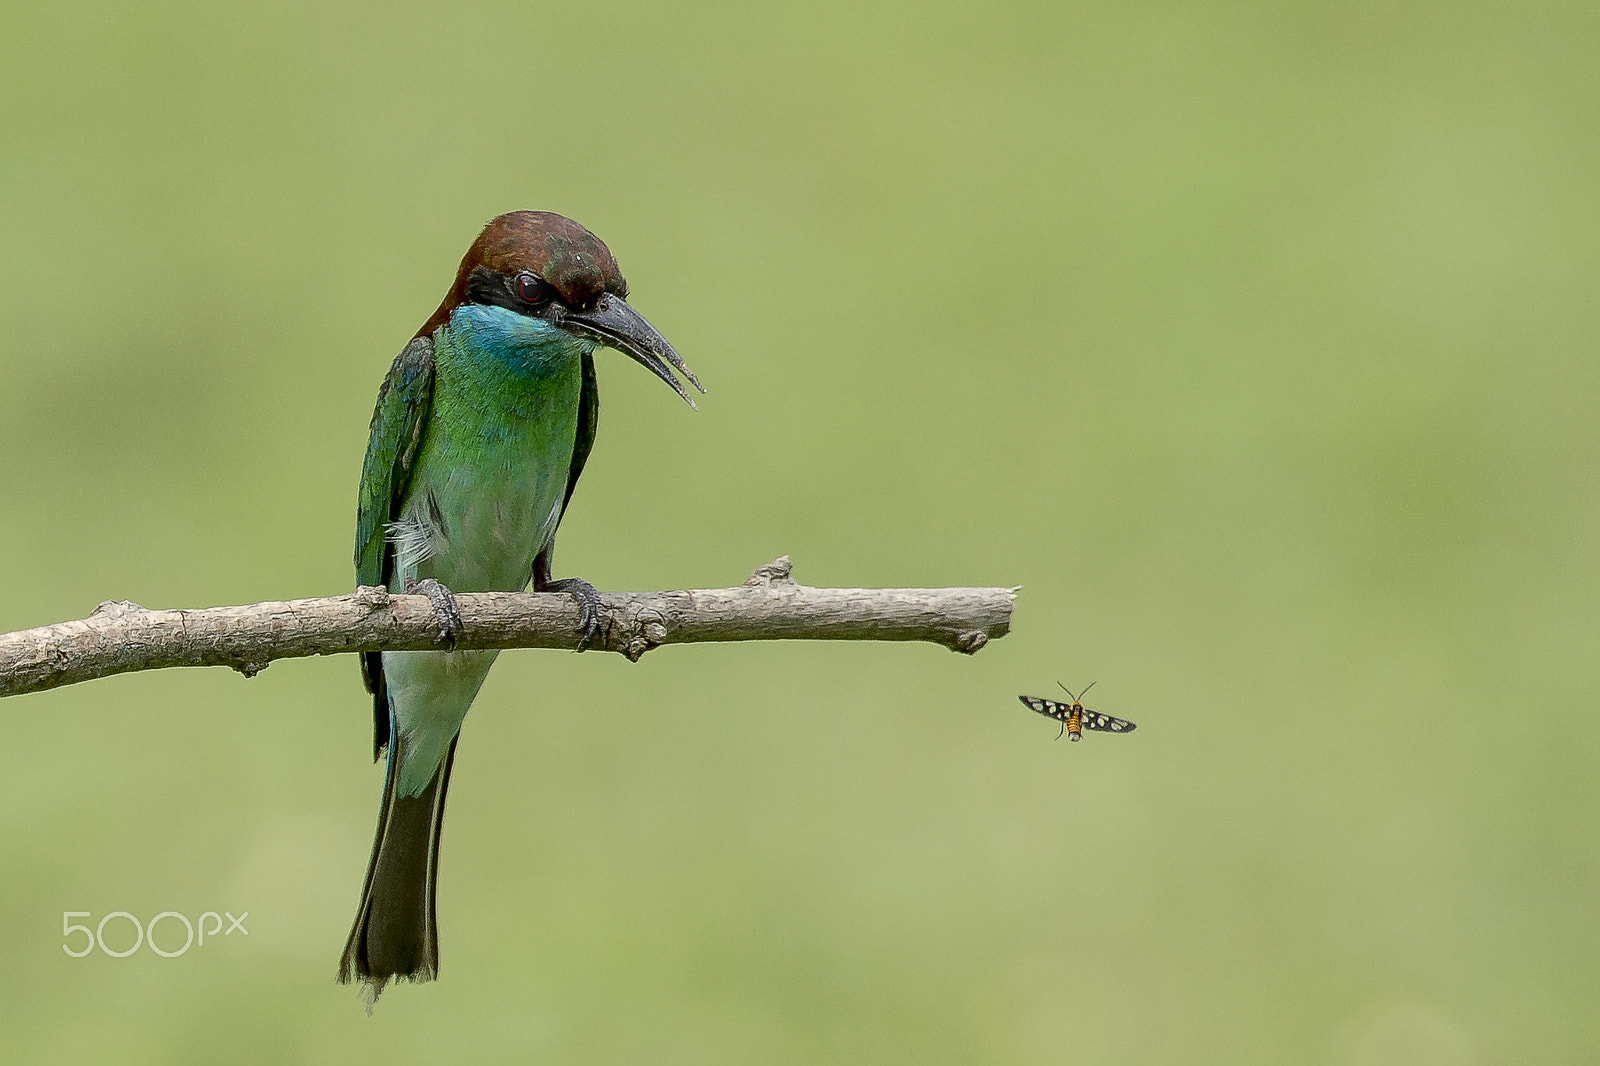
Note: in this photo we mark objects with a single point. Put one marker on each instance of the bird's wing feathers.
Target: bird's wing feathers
(398, 423)
(588, 419)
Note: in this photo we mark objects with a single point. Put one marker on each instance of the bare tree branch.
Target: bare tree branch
(120, 637)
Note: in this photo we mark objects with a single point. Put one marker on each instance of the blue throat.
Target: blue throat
(510, 345)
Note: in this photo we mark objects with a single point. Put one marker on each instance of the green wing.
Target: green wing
(582, 445)
(588, 420)
(398, 424)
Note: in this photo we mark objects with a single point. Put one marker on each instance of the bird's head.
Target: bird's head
(546, 266)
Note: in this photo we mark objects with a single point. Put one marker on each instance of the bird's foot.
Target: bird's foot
(445, 610)
(588, 603)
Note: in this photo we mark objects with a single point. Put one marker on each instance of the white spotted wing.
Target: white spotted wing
(1075, 716)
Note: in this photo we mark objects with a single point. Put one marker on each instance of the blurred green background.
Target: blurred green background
(1256, 340)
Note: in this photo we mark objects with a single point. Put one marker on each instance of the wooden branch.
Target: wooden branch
(120, 637)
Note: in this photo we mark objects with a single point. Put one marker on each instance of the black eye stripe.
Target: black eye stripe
(486, 286)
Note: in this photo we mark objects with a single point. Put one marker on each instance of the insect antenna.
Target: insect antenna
(1079, 697)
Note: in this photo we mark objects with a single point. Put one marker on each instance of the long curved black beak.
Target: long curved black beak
(616, 325)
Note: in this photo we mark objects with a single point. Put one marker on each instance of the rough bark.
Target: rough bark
(120, 637)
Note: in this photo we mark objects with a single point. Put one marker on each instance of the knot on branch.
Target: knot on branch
(116, 608)
(250, 667)
(372, 597)
(636, 630)
(969, 642)
(778, 572)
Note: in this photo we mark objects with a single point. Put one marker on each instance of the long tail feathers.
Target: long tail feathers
(395, 934)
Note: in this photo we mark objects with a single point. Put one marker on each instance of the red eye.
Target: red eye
(530, 288)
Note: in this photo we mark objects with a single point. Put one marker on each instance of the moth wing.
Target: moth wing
(1048, 708)
(1105, 723)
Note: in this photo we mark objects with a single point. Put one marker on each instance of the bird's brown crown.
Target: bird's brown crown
(575, 262)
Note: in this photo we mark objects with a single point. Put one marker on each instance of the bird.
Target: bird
(480, 432)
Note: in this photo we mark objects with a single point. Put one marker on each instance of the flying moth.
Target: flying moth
(1075, 717)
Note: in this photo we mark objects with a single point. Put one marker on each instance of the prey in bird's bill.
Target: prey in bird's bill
(1075, 717)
